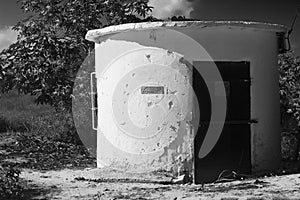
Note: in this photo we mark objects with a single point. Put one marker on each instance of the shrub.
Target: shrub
(10, 186)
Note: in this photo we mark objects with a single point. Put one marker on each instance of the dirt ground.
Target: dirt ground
(103, 184)
(92, 183)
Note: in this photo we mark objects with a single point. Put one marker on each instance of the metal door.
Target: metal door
(232, 150)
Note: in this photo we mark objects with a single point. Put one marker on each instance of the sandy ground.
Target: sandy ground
(93, 183)
(111, 184)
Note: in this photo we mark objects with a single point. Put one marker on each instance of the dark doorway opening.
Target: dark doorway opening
(232, 151)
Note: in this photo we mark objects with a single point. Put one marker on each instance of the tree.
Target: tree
(51, 44)
(289, 83)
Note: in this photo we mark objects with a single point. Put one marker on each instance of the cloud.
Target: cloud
(7, 37)
(168, 8)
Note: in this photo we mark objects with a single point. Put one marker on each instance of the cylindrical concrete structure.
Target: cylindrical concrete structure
(139, 69)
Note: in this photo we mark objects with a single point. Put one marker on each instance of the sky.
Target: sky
(272, 11)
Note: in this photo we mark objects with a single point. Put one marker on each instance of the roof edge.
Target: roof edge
(92, 35)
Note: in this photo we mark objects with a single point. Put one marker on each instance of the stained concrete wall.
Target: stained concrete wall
(140, 129)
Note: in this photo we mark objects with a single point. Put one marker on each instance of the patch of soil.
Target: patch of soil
(25, 151)
(55, 170)
(93, 183)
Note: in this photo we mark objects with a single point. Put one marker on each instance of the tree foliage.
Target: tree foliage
(289, 83)
(51, 44)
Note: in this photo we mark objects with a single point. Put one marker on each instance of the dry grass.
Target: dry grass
(19, 113)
